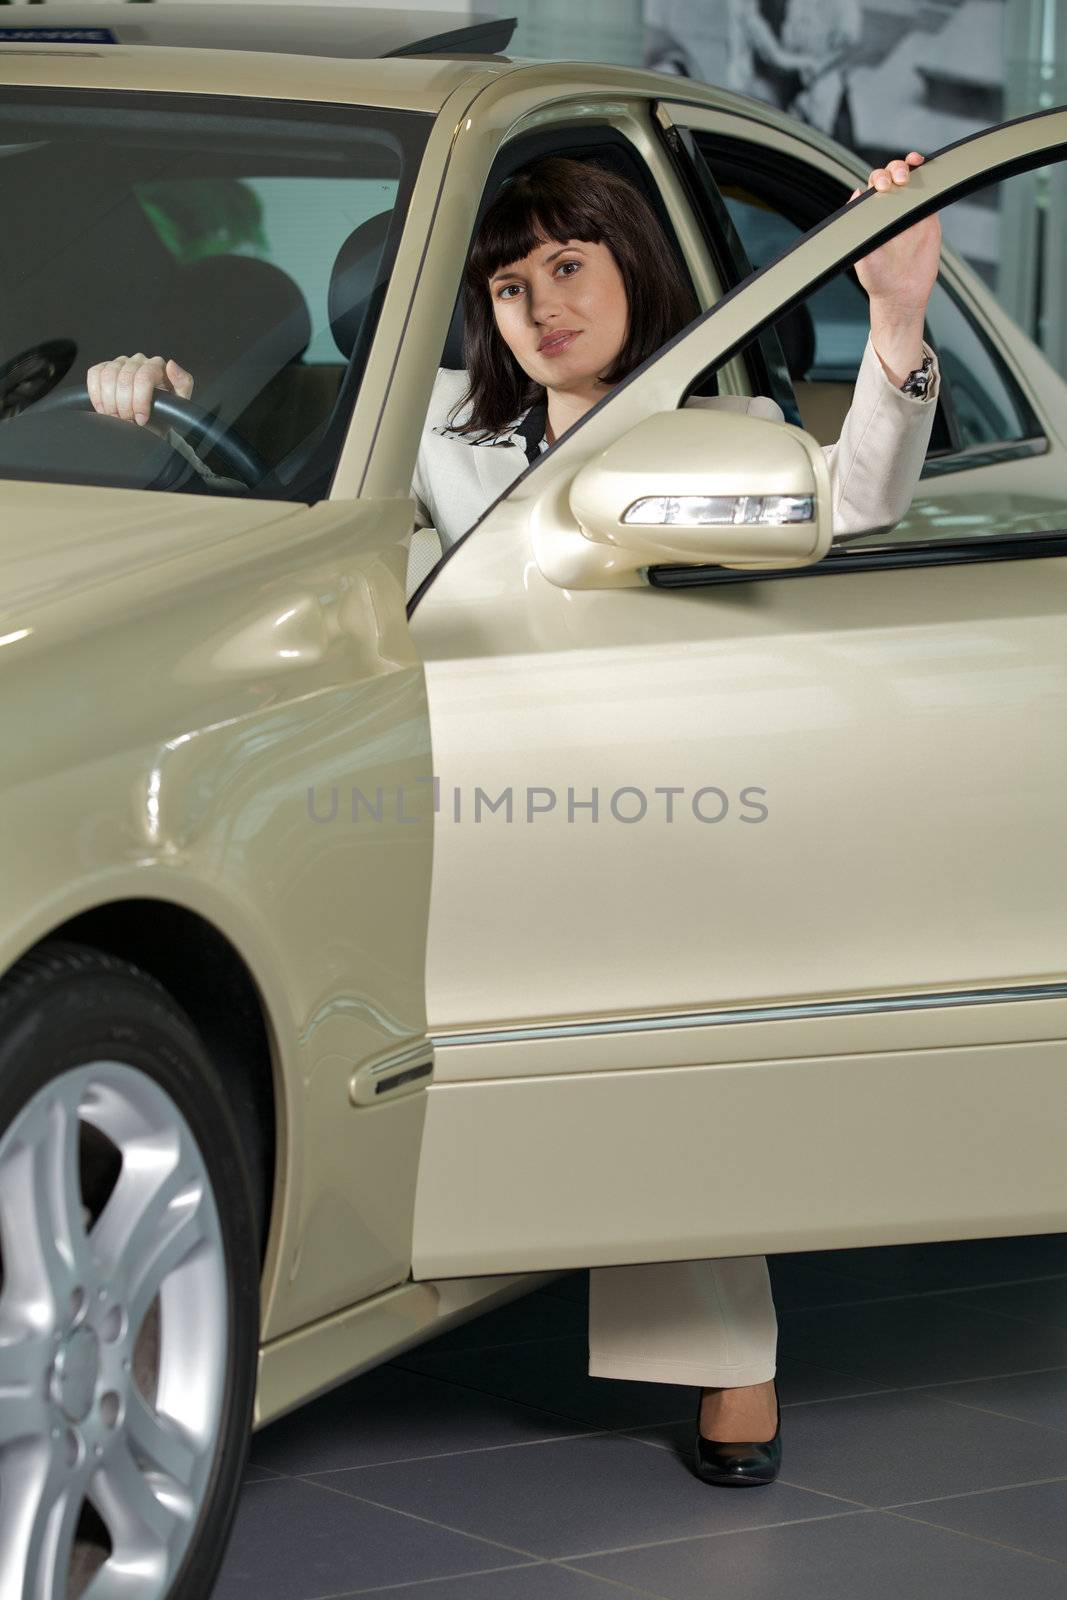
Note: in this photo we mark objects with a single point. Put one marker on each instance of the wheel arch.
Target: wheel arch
(204, 974)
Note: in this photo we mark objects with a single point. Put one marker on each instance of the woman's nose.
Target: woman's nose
(544, 303)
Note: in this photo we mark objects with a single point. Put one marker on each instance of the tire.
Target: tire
(129, 1288)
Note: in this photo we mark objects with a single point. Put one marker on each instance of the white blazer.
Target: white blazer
(874, 466)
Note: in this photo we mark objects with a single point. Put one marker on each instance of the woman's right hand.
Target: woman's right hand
(124, 386)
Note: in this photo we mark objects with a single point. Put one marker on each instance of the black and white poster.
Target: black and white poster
(880, 76)
(877, 76)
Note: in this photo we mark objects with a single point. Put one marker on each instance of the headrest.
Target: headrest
(238, 311)
(354, 279)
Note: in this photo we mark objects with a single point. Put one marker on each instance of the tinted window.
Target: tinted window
(207, 232)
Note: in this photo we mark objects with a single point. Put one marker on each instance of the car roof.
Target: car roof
(359, 32)
(274, 51)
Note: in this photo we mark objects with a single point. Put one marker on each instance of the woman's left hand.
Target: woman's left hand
(899, 277)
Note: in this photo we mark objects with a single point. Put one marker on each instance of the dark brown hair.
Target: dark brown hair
(559, 198)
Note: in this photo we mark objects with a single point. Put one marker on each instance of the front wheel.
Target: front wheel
(128, 1289)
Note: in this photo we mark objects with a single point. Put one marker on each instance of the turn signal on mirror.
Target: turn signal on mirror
(701, 511)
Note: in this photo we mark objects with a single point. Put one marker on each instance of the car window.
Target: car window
(297, 223)
(824, 342)
(251, 242)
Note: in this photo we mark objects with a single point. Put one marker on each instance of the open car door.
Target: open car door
(747, 928)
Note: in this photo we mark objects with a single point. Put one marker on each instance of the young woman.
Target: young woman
(570, 285)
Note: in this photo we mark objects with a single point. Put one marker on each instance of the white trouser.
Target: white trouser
(709, 1323)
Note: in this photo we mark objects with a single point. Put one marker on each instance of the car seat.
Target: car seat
(822, 403)
(241, 326)
(354, 298)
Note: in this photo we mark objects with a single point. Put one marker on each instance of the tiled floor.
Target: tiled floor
(924, 1430)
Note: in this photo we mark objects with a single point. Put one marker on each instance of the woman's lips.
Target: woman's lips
(556, 343)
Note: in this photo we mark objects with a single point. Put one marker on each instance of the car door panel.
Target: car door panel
(865, 738)
(799, 1153)
(903, 724)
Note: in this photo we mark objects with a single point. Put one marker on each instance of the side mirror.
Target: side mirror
(702, 485)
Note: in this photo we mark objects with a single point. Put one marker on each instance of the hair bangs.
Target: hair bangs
(521, 220)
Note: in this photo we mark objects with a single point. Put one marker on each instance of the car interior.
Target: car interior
(269, 361)
(147, 234)
(216, 255)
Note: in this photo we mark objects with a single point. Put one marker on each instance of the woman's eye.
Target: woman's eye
(574, 264)
(502, 294)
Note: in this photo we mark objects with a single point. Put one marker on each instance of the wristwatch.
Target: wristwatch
(919, 381)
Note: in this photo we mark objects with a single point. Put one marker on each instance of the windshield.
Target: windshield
(251, 242)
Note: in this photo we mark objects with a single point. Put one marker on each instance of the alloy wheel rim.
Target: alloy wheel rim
(114, 1332)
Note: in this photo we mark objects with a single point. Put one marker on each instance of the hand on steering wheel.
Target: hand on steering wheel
(156, 390)
(126, 385)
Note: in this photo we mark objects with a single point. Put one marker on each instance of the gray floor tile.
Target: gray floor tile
(796, 1284)
(1039, 1397)
(1044, 1301)
(1032, 1518)
(389, 1415)
(920, 1340)
(800, 1382)
(887, 1448)
(865, 1556)
(295, 1541)
(552, 1375)
(541, 1582)
(578, 1495)
(952, 1264)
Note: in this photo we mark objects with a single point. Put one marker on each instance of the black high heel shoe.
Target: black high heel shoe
(741, 1465)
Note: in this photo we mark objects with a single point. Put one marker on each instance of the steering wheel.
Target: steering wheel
(240, 458)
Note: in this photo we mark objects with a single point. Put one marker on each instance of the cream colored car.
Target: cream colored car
(660, 881)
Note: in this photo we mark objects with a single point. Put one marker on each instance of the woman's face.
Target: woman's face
(562, 312)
